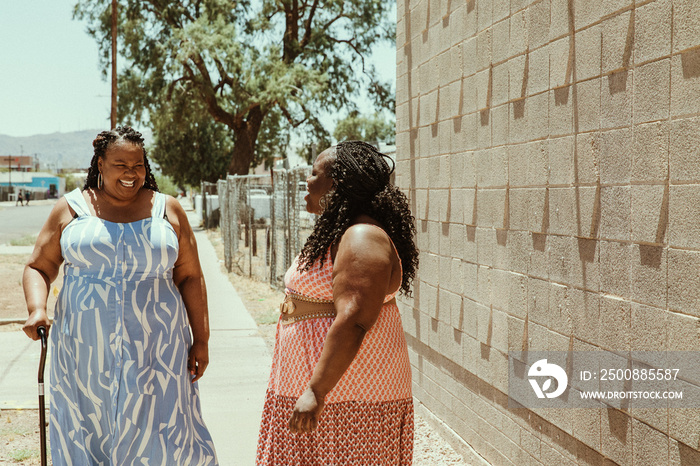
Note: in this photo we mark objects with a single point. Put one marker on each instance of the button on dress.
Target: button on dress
(120, 389)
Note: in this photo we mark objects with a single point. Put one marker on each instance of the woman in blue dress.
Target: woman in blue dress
(130, 334)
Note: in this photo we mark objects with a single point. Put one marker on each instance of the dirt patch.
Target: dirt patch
(19, 437)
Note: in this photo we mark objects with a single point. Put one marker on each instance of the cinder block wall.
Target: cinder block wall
(551, 153)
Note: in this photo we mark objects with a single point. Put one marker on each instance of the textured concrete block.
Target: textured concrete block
(528, 164)
(615, 268)
(483, 49)
(684, 209)
(564, 262)
(649, 213)
(500, 84)
(652, 91)
(499, 125)
(684, 156)
(652, 31)
(615, 212)
(685, 83)
(538, 301)
(649, 324)
(428, 108)
(518, 251)
(485, 242)
(517, 340)
(682, 332)
(484, 14)
(686, 24)
(519, 121)
(588, 49)
(650, 447)
(616, 99)
(684, 281)
(587, 158)
(539, 22)
(538, 70)
(650, 153)
(618, 42)
(561, 161)
(470, 206)
(538, 217)
(501, 41)
(434, 237)
(518, 74)
(587, 12)
(538, 111)
(500, 289)
(562, 211)
(684, 425)
(615, 324)
(559, 18)
(587, 107)
(561, 111)
(448, 101)
(492, 207)
(616, 156)
(483, 129)
(559, 63)
(444, 139)
(469, 56)
(468, 92)
(517, 295)
(613, 6)
(518, 33)
(518, 208)
(585, 315)
(470, 282)
(539, 256)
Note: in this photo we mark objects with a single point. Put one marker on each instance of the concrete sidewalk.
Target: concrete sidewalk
(232, 390)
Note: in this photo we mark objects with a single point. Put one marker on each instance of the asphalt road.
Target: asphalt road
(19, 221)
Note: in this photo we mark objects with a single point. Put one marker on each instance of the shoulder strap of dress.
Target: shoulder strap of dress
(77, 202)
(158, 210)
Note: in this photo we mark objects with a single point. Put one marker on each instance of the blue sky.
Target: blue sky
(49, 76)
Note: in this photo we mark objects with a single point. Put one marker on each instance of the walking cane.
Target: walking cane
(42, 414)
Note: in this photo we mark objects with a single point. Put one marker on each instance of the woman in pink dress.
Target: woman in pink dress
(340, 388)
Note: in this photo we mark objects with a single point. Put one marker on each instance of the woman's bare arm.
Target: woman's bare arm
(189, 279)
(43, 267)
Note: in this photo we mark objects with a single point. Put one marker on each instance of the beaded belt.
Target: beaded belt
(296, 307)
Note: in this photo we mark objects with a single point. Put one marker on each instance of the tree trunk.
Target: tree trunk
(246, 134)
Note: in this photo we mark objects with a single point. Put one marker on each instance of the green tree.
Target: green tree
(365, 128)
(261, 69)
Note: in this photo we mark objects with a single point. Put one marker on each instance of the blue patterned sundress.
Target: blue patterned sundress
(120, 389)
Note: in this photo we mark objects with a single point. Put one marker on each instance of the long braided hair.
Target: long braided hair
(106, 139)
(361, 178)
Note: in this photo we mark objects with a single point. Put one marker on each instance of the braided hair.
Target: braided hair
(361, 177)
(104, 141)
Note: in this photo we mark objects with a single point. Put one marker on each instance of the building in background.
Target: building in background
(551, 153)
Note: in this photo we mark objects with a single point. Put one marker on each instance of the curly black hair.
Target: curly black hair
(104, 140)
(361, 177)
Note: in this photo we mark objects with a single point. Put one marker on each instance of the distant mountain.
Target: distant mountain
(65, 150)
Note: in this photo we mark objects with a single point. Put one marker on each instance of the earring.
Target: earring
(99, 180)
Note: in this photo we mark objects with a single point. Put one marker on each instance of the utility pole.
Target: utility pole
(113, 114)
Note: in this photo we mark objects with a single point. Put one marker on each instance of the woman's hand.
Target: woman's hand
(306, 412)
(198, 359)
(36, 319)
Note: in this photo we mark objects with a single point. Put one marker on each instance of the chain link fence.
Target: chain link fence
(263, 221)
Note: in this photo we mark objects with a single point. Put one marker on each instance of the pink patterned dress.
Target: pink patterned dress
(368, 417)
